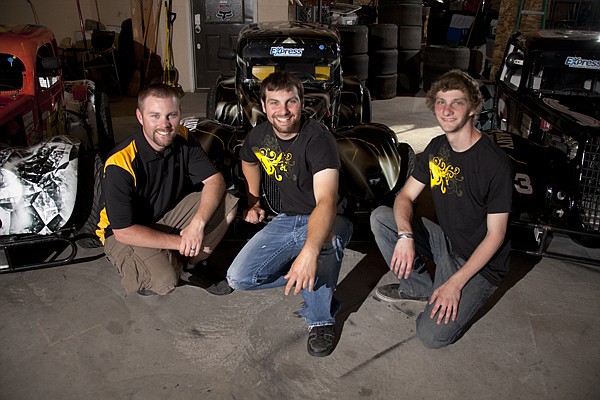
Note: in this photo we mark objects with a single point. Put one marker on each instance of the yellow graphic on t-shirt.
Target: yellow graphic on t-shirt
(445, 176)
(275, 164)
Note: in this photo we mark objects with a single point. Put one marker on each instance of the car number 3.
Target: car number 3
(523, 184)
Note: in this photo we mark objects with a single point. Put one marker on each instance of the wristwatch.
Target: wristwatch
(404, 236)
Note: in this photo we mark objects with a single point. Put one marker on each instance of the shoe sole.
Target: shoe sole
(319, 353)
(388, 299)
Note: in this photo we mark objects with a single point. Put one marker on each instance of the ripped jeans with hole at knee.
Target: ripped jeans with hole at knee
(267, 257)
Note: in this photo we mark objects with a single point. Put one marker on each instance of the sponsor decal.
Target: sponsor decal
(578, 62)
(280, 51)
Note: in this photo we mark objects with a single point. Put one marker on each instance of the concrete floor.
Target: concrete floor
(71, 332)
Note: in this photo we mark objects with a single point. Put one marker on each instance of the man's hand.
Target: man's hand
(302, 273)
(254, 214)
(446, 298)
(192, 237)
(403, 257)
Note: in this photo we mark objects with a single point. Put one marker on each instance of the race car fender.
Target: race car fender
(540, 186)
(371, 163)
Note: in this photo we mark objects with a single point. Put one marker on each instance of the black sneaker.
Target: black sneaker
(393, 294)
(321, 340)
(206, 281)
(146, 292)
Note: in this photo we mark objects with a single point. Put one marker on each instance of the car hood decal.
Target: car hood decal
(587, 114)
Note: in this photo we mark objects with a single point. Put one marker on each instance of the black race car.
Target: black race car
(375, 165)
(546, 115)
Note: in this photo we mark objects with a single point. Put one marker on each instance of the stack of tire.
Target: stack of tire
(438, 59)
(383, 61)
(354, 45)
(408, 16)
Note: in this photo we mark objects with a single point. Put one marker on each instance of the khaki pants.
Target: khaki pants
(158, 269)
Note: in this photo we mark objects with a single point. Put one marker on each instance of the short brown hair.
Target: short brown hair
(281, 80)
(160, 90)
(456, 80)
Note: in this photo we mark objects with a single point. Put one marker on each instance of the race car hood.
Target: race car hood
(582, 111)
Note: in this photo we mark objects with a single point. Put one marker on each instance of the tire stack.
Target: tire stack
(354, 45)
(438, 59)
(383, 61)
(408, 16)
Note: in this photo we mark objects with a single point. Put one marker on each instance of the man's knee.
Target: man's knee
(237, 278)
(434, 336)
(378, 216)
(163, 282)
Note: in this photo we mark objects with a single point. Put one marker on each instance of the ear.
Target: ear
(138, 114)
(262, 103)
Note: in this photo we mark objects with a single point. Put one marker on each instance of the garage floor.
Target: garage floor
(71, 332)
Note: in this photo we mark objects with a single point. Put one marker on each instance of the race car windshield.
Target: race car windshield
(312, 63)
(11, 72)
(574, 80)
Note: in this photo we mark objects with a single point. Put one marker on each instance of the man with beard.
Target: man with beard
(166, 205)
(302, 247)
(471, 184)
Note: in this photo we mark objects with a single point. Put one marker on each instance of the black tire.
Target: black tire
(409, 37)
(211, 103)
(430, 76)
(367, 106)
(445, 58)
(401, 14)
(383, 62)
(354, 39)
(383, 87)
(89, 201)
(356, 64)
(586, 241)
(383, 37)
(408, 83)
(106, 135)
(396, 2)
(408, 59)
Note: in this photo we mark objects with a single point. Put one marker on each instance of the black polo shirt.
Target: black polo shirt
(141, 185)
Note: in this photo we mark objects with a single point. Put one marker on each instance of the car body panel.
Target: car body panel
(547, 103)
(26, 47)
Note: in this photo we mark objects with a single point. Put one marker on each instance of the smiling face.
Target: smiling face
(283, 109)
(159, 118)
(452, 110)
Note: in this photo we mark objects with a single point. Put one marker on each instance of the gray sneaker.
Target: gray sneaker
(393, 294)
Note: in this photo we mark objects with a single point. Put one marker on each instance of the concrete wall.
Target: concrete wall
(62, 17)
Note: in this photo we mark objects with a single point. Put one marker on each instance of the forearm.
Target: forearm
(212, 195)
(320, 223)
(145, 236)
(251, 173)
(403, 213)
(480, 257)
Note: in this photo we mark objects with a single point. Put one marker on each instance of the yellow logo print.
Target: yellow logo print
(275, 164)
(445, 176)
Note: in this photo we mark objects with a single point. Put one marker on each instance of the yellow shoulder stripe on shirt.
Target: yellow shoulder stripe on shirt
(183, 132)
(124, 159)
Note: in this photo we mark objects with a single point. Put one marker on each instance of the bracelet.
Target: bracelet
(404, 236)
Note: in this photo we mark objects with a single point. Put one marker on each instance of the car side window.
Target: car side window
(47, 68)
(512, 68)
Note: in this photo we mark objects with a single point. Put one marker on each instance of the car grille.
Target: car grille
(589, 186)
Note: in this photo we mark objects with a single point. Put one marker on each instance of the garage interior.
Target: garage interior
(71, 332)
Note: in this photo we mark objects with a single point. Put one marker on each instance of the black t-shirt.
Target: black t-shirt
(141, 185)
(466, 187)
(293, 163)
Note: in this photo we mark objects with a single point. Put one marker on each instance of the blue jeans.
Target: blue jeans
(267, 257)
(431, 243)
